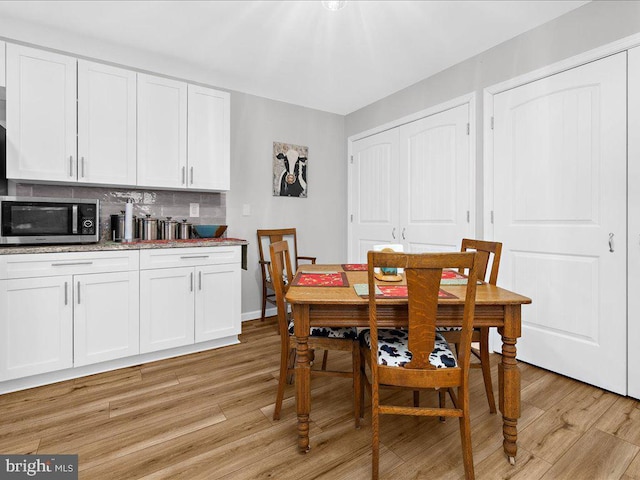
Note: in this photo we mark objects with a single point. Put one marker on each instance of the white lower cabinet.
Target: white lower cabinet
(101, 310)
(106, 312)
(166, 308)
(36, 326)
(66, 310)
(188, 295)
(217, 311)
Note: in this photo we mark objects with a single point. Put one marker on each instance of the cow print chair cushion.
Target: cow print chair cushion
(349, 333)
(393, 349)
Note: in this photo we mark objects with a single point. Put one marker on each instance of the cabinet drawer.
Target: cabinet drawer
(183, 257)
(50, 264)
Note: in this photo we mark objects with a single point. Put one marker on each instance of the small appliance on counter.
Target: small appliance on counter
(37, 220)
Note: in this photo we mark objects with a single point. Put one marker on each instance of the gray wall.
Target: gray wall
(595, 24)
(320, 219)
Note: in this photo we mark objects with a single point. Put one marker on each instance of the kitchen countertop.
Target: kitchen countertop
(136, 245)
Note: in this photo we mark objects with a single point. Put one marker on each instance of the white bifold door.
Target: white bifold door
(633, 340)
(560, 206)
(413, 185)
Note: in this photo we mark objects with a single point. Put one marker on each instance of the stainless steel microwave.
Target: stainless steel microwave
(32, 220)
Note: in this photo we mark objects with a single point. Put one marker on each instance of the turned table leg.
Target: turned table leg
(303, 374)
(509, 382)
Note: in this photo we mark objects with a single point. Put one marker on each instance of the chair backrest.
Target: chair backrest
(279, 266)
(484, 251)
(423, 273)
(267, 237)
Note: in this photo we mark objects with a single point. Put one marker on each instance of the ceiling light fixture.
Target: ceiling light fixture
(334, 6)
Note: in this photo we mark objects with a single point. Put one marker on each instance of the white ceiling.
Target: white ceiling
(296, 51)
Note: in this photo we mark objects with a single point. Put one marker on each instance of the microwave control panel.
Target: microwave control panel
(87, 218)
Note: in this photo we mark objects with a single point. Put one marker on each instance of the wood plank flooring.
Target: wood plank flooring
(208, 416)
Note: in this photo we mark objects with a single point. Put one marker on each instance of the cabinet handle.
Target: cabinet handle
(70, 263)
(403, 230)
(66, 293)
(82, 167)
(393, 233)
(186, 257)
(78, 292)
(183, 172)
(199, 280)
(191, 275)
(611, 242)
(191, 175)
(71, 165)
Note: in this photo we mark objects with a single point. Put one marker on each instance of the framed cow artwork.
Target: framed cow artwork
(290, 170)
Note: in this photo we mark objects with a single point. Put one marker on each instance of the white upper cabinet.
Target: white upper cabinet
(208, 139)
(162, 132)
(72, 120)
(106, 124)
(3, 76)
(41, 115)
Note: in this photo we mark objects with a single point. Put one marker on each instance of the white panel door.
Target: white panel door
(3, 76)
(166, 308)
(633, 329)
(435, 182)
(106, 124)
(36, 326)
(106, 317)
(374, 193)
(162, 132)
(208, 139)
(217, 302)
(41, 115)
(560, 211)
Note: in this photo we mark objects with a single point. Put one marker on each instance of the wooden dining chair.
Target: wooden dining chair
(265, 238)
(344, 339)
(487, 253)
(419, 357)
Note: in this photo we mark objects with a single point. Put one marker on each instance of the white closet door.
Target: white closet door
(633, 330)
(560, 211)
(374, 193)
(435, 181)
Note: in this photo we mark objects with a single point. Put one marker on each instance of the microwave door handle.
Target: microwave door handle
(74, 219)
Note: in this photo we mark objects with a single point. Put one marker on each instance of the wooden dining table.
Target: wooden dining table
(340, 306)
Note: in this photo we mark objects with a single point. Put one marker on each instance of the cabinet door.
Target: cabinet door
(35, 326)
(41, 115)
(217, 302)
(162, 132)
(166, 308)
(106, 124)
(106, 316)
(208, 139)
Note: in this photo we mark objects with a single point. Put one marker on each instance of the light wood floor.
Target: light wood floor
(208, 416)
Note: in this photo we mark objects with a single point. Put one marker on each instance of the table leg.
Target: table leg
(509, 381)
(303, 374)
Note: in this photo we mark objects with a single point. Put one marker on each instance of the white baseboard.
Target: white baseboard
(256, 314)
